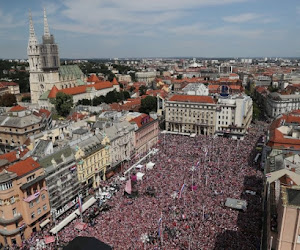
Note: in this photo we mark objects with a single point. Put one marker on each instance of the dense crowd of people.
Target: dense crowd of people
(180, 203)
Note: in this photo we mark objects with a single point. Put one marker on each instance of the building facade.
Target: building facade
(191, 114)
(234, 116)
(121, 140)
(93, 158)
(146, 133)
(44, 65)
(24, 201)
(61, 178)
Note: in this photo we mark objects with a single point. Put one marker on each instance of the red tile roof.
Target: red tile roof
(115, 82)
(23, 167)
(9, 84)
(192, 98)
(12, 155)
(277, 138)
(17, 108)
(93, 78)
(82, 89)
(138, 120)
(41, 112)
(76, 116)
(53, 92)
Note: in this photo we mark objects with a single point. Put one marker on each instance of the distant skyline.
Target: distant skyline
(155, 28)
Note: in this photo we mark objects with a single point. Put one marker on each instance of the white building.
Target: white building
(147, 77)
(234, 115)
(195, 89)
(277, 103)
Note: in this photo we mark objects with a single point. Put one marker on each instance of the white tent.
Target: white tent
(72, 216)
(139, 166)
(150, 165)
(139, 176)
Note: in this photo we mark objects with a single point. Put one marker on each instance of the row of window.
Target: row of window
(5, 186)
(37, 201)
(39, 210)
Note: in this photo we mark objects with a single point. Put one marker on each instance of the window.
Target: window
(14, 211)
(39, 211)
(45, 207)
(5, 186)
(32, 215)
(30, 204)
(38, 200)
(43, 197)
(12, 200)
(30, 178)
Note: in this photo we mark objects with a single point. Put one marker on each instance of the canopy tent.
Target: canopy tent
(150, 165)
(139, 176)
(72, 216)
(44, 223)
(236, 204)
(81, 226)
(139, 166)
(83, 243)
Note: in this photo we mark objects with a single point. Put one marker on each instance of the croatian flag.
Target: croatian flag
(159, 226)
(181, 190)
(268, 175)
(128, 187)
(80, 204)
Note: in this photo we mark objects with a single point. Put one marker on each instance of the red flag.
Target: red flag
(128, 186)
(49, 239)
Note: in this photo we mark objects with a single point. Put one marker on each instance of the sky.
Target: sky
(155, 28)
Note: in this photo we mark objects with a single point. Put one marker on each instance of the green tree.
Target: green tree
(126, 95)
(179, 77)
(148, 104)
(63, 103)
(132, 89)
(132, 76)
(111, 97)
(256, 111)
(8, 100)
(143, 90)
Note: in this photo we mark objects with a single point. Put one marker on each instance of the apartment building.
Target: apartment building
(24, 201)
(18, 125)
(191, 114)
(234, 116)
(61, 178)
(146, 133)
(92, 159)
(121, 139)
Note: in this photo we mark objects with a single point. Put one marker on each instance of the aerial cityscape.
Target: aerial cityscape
(150, 125)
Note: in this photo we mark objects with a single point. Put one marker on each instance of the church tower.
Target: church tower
(44, 61)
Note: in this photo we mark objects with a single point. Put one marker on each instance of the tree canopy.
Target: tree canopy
(143, 90)
(63, 103)
(148, 104)
(8, 100)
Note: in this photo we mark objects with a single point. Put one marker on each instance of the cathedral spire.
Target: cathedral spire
(46, 27)
(32, 37)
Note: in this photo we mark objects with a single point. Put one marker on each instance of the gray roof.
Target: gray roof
(80, 131)
(40, 147)
(57, 156)
(19, 122)
(113, 132)
(6, 176)
(91, 144)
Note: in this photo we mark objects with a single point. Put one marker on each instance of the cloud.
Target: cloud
(7, 21)
(246, 17)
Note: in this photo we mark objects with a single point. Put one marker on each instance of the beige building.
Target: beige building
(92, 156)
(18, 125)
(191, 114)
(24, 201)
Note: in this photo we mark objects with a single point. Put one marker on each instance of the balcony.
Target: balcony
(16, 218)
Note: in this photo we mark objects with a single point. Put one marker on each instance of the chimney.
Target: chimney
(18, 155)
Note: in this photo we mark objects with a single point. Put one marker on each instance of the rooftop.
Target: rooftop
(192, 98)
(23, 167)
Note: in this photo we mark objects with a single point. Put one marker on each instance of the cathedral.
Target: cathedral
(44, 65)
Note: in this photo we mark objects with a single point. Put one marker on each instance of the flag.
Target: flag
(268, 175)
(49, 239)
(197, 164)
(128, 187)
(159, 226)
(181, 190)
(80, 204)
